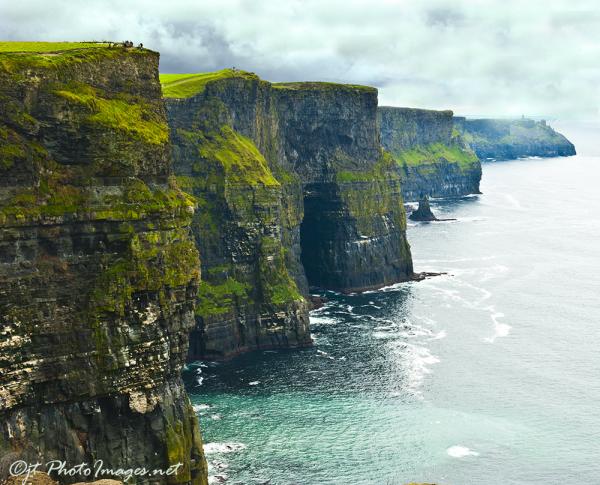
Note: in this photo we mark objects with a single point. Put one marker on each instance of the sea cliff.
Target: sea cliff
(433, 157)
(509, 139)
(98, 272)
(294, 190)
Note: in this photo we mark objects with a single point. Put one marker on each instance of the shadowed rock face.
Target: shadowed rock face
(296, 191)
(353, 231)
(510, 139)
(433, 157)
(98, 273)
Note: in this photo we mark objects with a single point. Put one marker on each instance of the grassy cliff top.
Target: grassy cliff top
(47, 47)
(16, 56)
(321, 86)
(188, 85)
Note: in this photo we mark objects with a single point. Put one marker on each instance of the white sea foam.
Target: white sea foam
(322, 320)
(418, 360)
(385, 335)
(217, 479)
(513, 202)
(459, 451)
(438, 336)
(500, 329)
(200, 407)
(231, 447)
(321, 353)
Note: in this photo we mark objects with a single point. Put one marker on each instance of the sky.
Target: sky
(498, 58)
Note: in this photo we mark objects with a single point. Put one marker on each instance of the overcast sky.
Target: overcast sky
(477, 57)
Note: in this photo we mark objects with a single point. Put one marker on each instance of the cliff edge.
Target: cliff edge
(510, 139)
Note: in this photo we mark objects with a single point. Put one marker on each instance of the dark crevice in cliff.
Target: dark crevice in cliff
(316, 235)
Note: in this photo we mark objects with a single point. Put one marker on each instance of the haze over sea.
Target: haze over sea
(487, 375)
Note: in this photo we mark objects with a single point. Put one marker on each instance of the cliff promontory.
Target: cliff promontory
(294, 190)
(433, 157)
(509, 139)
(98, 273)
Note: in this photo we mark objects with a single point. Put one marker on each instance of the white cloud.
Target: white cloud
(478, 57)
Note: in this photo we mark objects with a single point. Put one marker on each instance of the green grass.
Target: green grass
(188, 85)
(215, 299)
(239, 158)
(15, 62)
(135, 118)
(47, 47)
(437, 152)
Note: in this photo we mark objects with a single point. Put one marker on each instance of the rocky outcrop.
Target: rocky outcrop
(294, 189)
(432, 155)
(510, 139)
(423, 212)
(98, 273)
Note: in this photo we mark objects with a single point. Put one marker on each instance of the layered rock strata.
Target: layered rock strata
(433, 156)
(294, 189)
(98, 273)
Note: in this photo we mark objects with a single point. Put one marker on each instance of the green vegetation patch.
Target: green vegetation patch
(56, 197)
(17, 62)
(277, 286)
(216, 299)
(239, 158)
(47, 47)
(132, 116)
(155, 261)
(437, 152)
(12, 148)
(188, 85)
(375, 192)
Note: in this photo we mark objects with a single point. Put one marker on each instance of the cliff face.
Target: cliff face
(353, 231)
(247, 225)
(98, 273)
(292, 183)
(432, 155)
(510, 139)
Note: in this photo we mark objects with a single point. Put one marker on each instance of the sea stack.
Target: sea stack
(423, 213)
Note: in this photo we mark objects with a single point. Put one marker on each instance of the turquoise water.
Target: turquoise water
(487, 375)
